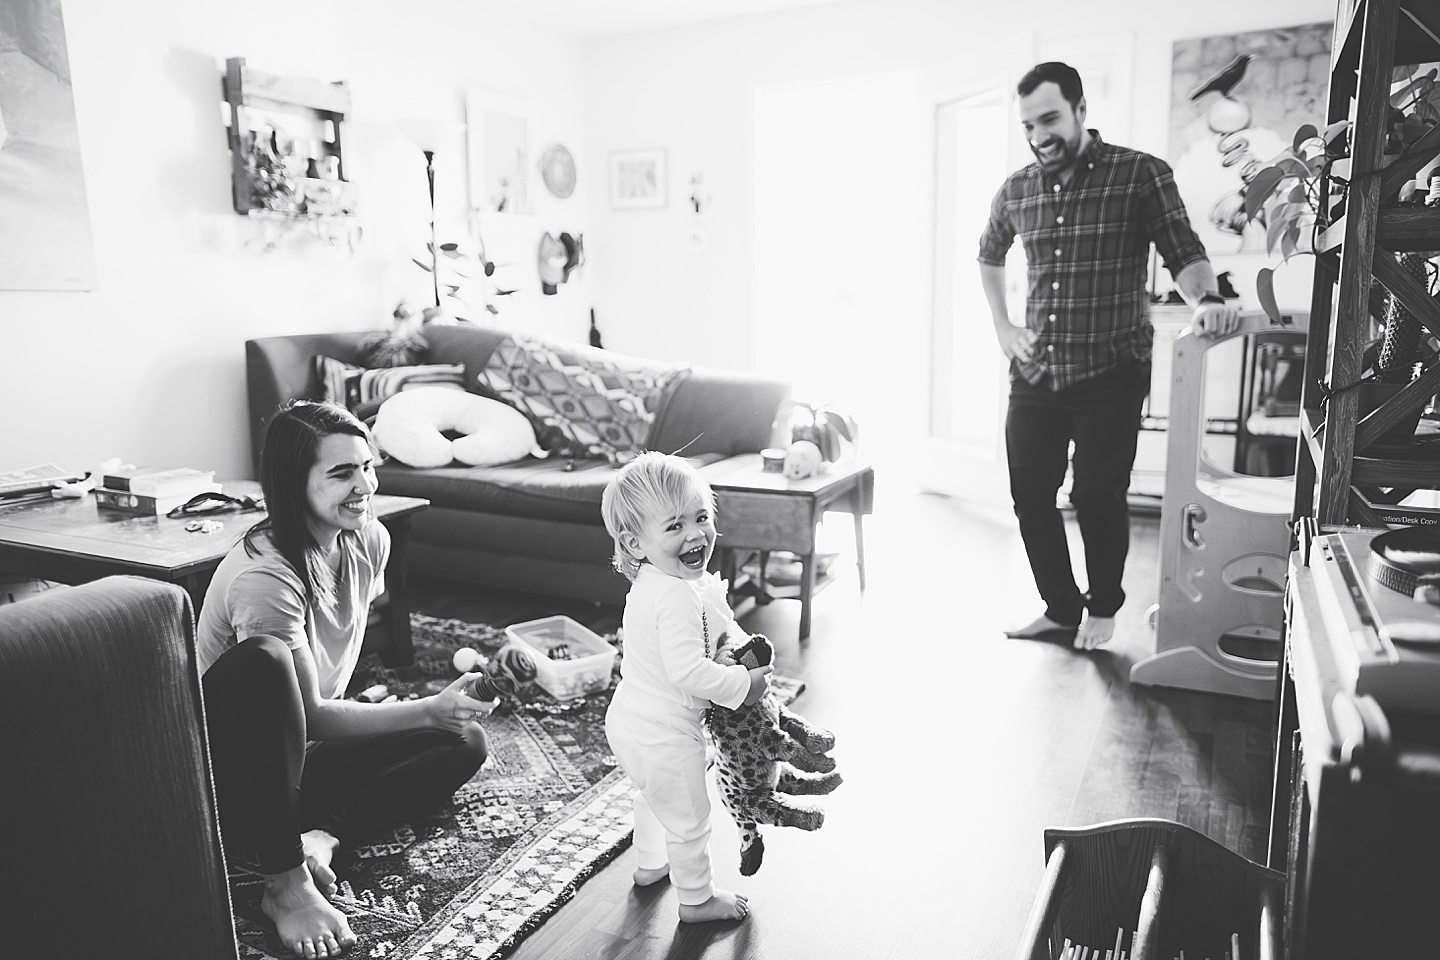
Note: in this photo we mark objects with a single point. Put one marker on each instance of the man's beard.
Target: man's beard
(1061, 159)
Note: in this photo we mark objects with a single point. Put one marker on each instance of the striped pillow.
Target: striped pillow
(353, 386)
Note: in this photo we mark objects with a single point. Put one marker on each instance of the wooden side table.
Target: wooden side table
(74, 541)
(762, 512)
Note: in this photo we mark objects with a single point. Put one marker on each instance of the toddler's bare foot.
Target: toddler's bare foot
(320, 847)
(304, 919)
(1042, 626)
(644, 877)
(1094, 632)
(722, 905)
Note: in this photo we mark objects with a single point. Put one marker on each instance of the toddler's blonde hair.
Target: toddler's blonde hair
(650, 485)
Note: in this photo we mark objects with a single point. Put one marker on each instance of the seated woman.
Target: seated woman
(297, 768)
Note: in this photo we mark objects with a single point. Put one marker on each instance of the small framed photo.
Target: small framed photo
(499, 149)
(637, 179)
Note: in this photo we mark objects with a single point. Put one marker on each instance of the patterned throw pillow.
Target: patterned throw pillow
(353, 386)
(585, 402)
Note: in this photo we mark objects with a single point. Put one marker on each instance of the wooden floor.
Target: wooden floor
(958, 748)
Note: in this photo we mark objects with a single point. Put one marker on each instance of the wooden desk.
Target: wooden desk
(759, 511)
(74, 541)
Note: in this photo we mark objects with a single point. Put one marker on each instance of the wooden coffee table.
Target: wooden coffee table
(760, 512)
(74, 541)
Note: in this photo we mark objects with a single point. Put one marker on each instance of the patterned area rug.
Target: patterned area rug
(548, 809)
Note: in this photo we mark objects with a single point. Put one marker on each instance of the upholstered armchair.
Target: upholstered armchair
(109, 841)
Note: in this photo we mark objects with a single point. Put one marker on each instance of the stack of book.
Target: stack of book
(33, 483)
(151, 491)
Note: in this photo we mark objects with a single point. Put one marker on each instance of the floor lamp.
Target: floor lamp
(431, 136)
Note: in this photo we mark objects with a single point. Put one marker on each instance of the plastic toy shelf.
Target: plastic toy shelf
(1147, 889)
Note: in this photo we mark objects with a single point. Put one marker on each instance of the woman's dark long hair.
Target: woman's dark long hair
(290, 449)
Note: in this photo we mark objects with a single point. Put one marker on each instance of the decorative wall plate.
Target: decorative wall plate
(557, 169)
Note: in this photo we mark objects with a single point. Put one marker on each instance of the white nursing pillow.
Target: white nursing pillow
(409, 428)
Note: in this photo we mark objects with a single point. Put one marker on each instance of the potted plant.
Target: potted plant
(1288, 197)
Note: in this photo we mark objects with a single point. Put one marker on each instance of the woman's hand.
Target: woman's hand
(759, 684)
(452, 708)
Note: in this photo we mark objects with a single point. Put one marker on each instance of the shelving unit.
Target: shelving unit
(1339, 477)
(302, 176)
(1354, 780)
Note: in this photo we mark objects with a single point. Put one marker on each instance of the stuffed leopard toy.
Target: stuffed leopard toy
(765, 756)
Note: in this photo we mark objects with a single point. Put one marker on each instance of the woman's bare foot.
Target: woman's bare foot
(304, 919)
(319, 847)
(722, 905)
(645, 877)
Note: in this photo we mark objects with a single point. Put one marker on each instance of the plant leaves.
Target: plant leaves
(1265, 293)
(1413, 129)
(1288, 241)
(1298, 195)
(1305, 132)
(1277, 226)
(422, 265)
(1259, 189)
(1334, 130)
(450, 248)
(1293, 167)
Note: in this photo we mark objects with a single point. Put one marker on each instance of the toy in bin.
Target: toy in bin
(570, 660)
(500, 675)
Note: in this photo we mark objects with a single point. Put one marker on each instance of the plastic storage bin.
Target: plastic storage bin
(584, 661)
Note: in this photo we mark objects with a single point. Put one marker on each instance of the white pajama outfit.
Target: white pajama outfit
(654, 721)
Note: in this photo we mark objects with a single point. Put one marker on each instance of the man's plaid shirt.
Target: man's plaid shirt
(1087, 246)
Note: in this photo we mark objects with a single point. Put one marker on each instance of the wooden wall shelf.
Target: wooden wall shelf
(286, 149)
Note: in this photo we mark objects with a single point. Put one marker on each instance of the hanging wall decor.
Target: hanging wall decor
(637, 179)
(45, 239)
(557, 169)
(1236, 101)
(500, 165)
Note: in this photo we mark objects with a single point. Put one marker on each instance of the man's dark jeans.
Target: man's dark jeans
(1101, 416)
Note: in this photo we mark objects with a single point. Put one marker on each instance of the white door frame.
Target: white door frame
(946, 466)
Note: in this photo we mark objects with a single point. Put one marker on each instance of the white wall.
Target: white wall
(150, 366)
(691, 91)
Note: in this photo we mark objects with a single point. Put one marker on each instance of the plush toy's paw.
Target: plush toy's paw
(814, 739)
(811, 762)
(807, 784)
(757, 652)
(751, 855)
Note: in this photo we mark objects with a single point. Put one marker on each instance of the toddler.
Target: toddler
(661, 516)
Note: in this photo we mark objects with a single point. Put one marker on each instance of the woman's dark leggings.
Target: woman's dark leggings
(270, 789)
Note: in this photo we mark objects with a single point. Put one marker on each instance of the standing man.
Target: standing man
(1087, 213)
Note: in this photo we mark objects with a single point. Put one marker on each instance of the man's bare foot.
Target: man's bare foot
(320, 847)
(304, 919)
(645, 877)
(722, 905)
(1094, 632)
(1042, 626)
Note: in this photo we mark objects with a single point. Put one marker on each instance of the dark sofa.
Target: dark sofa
(533, 525)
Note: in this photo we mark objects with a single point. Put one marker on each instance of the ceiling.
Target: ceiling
(600, 18)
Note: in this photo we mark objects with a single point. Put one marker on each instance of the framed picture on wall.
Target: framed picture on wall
(637, 179)
(45, 237)
(498, 138)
